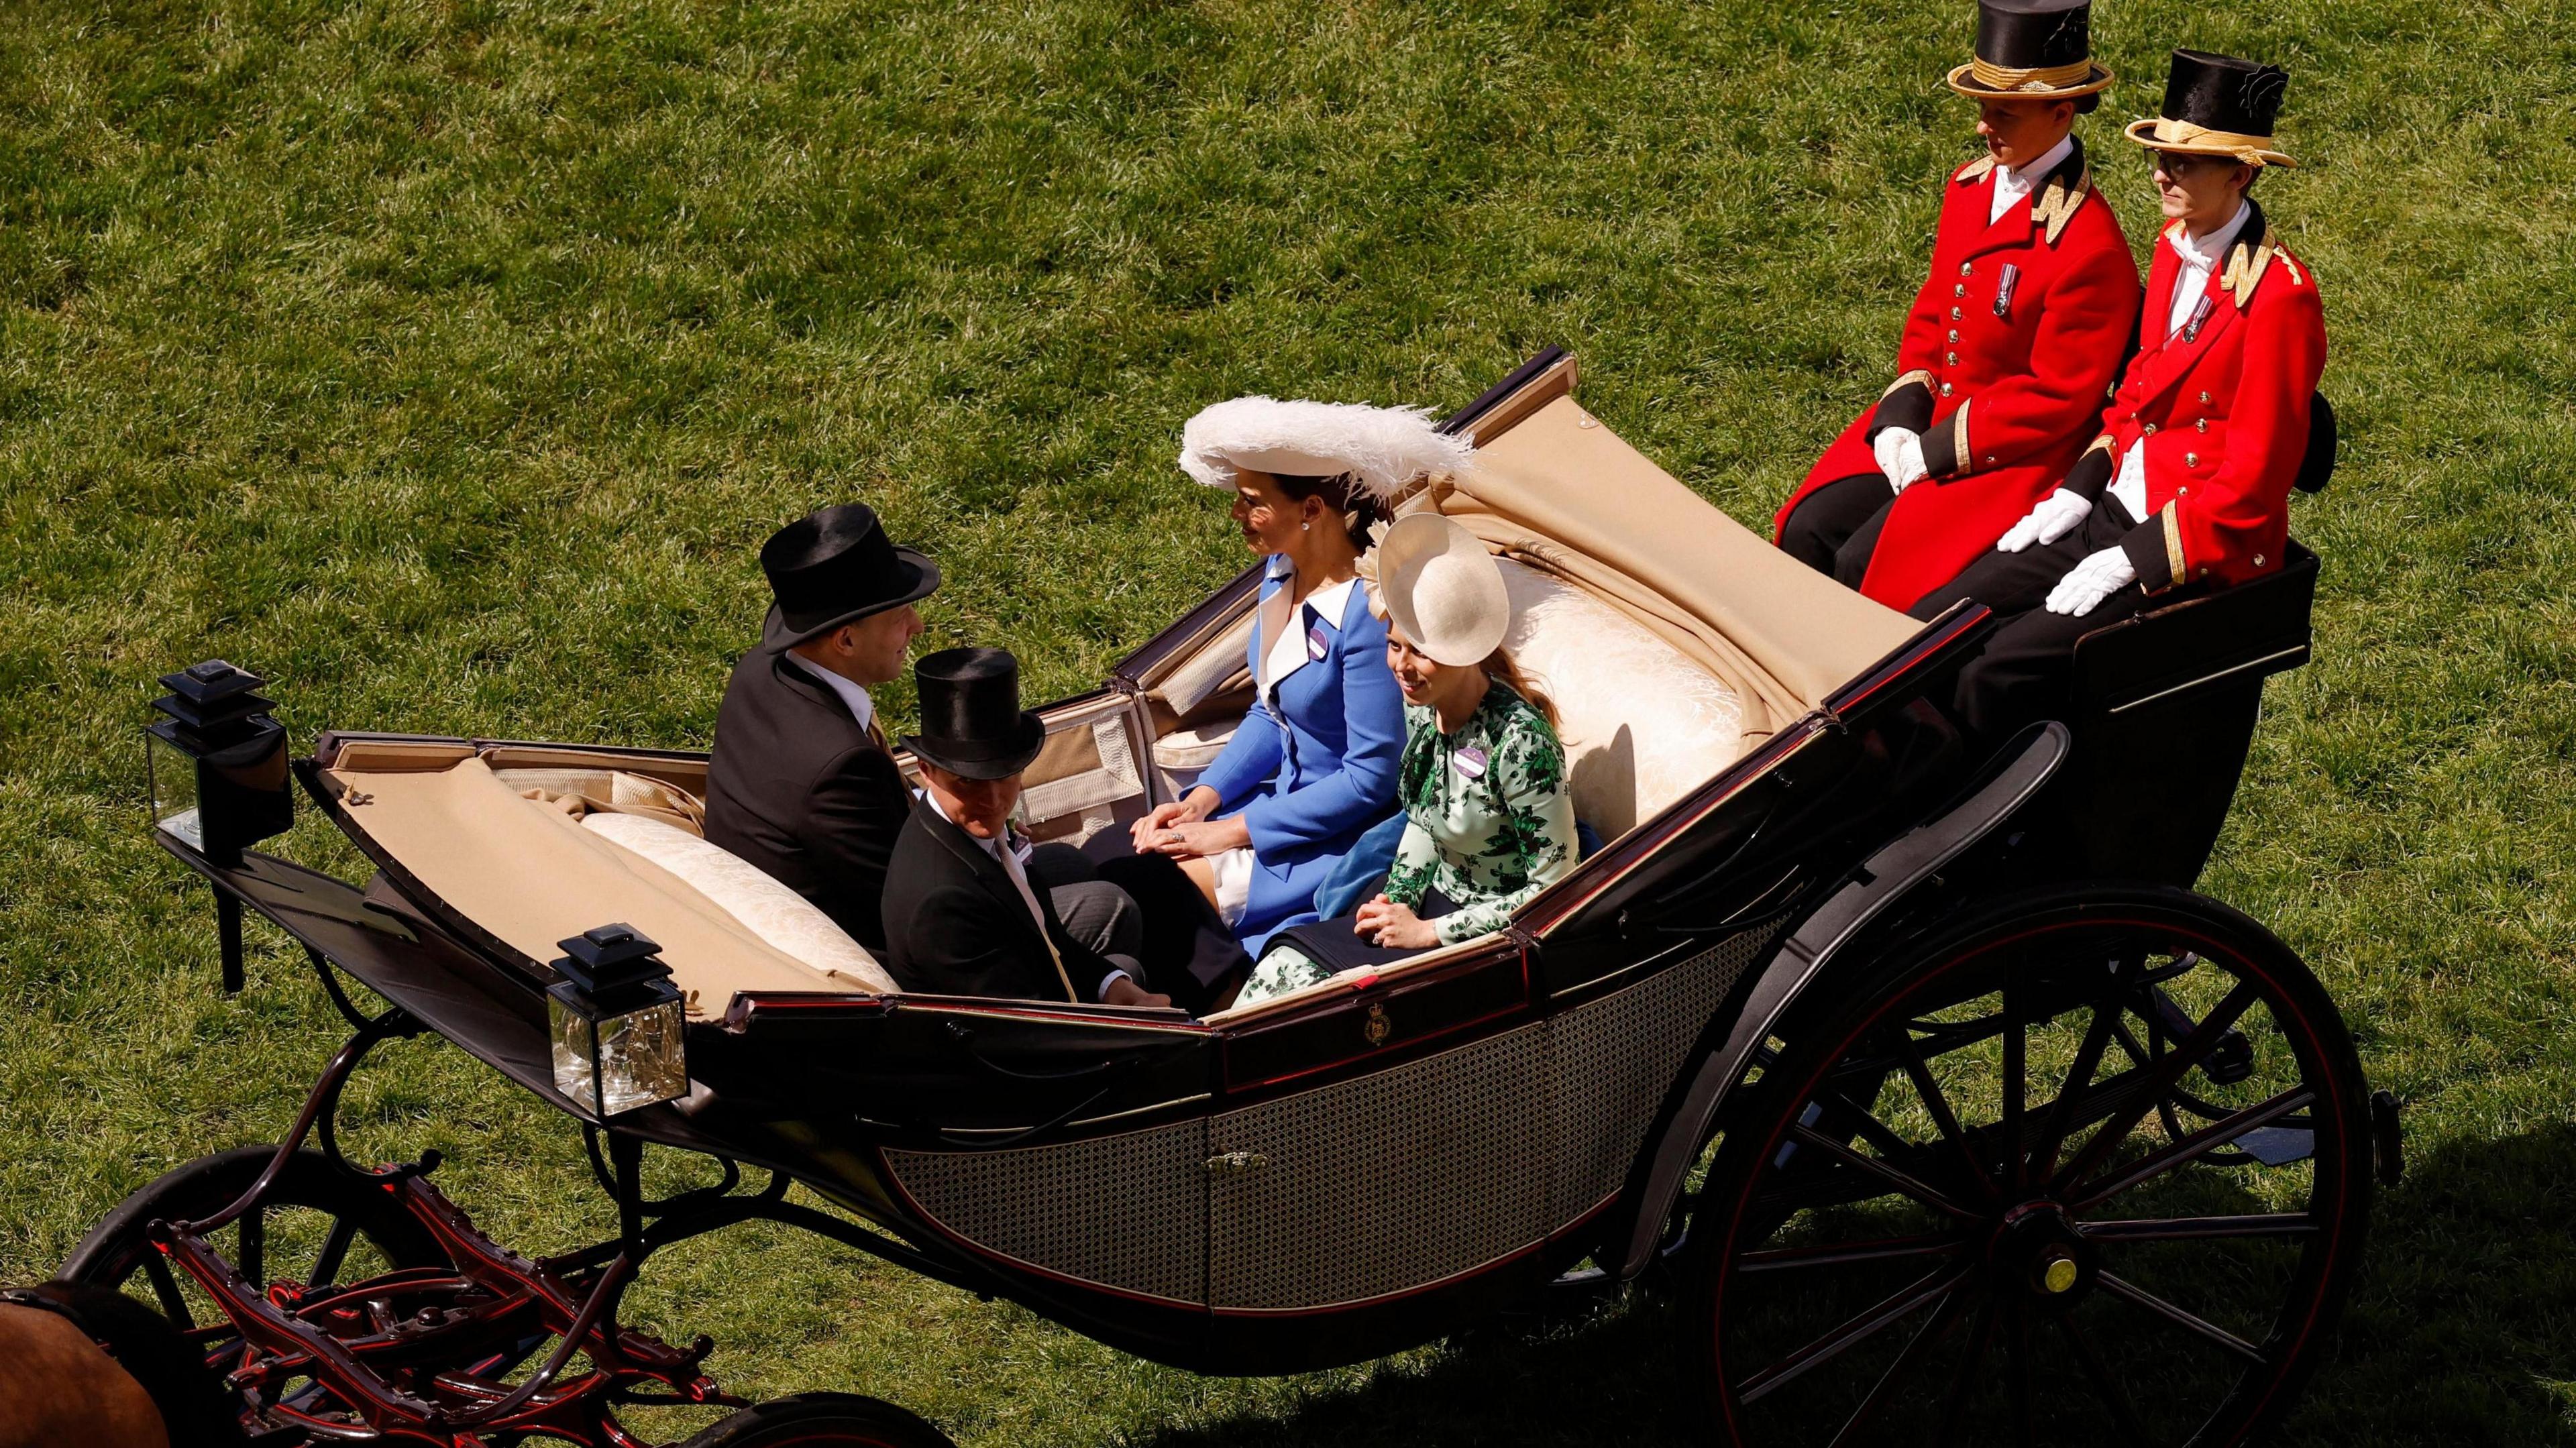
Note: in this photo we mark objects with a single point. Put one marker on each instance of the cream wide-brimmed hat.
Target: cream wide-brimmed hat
(1380, 449)
(1443, 592)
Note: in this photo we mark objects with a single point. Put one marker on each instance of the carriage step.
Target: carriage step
(2277, 1145)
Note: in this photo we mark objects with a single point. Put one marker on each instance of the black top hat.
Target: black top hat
(2039, 50)
(834, 565)
(2217, 105)
(971, 720)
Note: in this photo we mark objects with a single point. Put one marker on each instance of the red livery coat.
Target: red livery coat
(2223, 412)
(2004, 390)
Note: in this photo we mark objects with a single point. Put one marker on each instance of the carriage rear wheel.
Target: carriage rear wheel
(821, 1420)
(2093, 1166)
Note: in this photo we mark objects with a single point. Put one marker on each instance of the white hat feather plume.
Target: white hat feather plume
(1384, 449)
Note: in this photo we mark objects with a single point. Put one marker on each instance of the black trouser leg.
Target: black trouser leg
(1829, 517)
(2026, 669)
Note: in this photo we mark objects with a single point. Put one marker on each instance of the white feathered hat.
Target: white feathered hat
(1382, 448)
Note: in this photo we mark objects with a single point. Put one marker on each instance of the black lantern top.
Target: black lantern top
(611, 961)
(215, 706)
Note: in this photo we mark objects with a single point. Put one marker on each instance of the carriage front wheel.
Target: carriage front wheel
(821, 1420)
(2090, 1167)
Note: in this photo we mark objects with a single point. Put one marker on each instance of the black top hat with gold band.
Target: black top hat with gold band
(2217, 105)
(2039, 50)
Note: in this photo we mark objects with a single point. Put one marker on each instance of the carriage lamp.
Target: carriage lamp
(615, 1021)
(217, 764)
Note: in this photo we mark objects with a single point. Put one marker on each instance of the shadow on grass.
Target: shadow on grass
(2462, 1330)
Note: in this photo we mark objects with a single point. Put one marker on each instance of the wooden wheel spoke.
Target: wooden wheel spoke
(1937, 1105)
(2190, 1148)
(2062, 1122)
(334, 1253)
(2189, 1322)
(1869, 1323)
(174, 1304)
(2189, 1229)
(1841, 1254)
(2016, 1091)
(2105, 1386)
(1894, 1177)
(1934, 1328)
(2157, 1074)
(2017, 1375)
(1956, 1402)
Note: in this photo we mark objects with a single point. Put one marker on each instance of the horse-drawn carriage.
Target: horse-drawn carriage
(1918, 1075)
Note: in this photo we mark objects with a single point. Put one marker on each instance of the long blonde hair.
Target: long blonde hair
(1499, 665)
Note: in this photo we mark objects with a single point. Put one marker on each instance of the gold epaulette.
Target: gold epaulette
(1975, 170)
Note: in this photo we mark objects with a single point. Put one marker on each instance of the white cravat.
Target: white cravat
(2191, 282)
(862, 707)
(2013, 184)
(1009, 860)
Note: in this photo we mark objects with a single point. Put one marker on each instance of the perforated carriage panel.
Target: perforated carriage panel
(1610, 1061)
(1127, 1211)
(1384, 1183)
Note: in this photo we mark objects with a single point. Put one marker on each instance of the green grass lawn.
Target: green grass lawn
(448, 362)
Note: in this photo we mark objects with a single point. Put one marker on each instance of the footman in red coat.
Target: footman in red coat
(2011, 344)
(2188, 485)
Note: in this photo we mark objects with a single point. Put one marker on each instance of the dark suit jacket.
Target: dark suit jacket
(800, 790)
(955, 925)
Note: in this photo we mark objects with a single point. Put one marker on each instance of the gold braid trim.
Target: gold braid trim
(2245, 267)
(2099, 444)
(2046, 77)
(1976, 170)
(1901, 383)
(1962, 463)
(2058, 204)
(2173, 545)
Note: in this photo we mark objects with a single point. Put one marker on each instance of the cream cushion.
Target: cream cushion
(787, 921)
(1642, 725)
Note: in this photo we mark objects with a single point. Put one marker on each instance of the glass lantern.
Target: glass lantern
(615, 1023)
(217, 763)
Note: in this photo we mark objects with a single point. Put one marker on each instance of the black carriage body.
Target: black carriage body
(1387, 1160)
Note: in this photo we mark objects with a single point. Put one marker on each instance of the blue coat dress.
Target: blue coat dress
(1314, 774)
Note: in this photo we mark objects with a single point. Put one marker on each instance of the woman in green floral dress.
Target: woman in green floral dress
(1488, 819)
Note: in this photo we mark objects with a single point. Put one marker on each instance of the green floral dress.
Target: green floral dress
(1488, 824)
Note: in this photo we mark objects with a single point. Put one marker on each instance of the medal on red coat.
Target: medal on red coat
(2199, 314)
(2004, 290)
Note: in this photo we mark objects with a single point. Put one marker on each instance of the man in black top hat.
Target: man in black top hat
(965, 911)
(803, 783)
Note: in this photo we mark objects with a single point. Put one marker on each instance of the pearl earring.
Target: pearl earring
(1305, 527)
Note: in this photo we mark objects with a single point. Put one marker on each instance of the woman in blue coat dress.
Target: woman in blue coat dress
(1312, 768)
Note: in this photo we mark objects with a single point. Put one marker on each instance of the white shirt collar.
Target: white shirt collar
(862, 708)
(2203, 252)
(2028, 176)
(2012, 183)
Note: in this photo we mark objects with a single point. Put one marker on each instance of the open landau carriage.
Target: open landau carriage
(1940, 1107)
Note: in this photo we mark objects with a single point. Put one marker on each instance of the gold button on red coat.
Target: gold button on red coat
(1954, 359)
(2151, 429)
(1967, 269)
(1954, 316)
(1945, 389)
(2191, 460)
(1954, 334)
(2258, 560)
(2200, 423)
(2204, 397)
(1958, 289)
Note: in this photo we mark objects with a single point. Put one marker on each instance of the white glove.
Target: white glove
(2055, 517)
(2091, 581)
(1900, 456)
